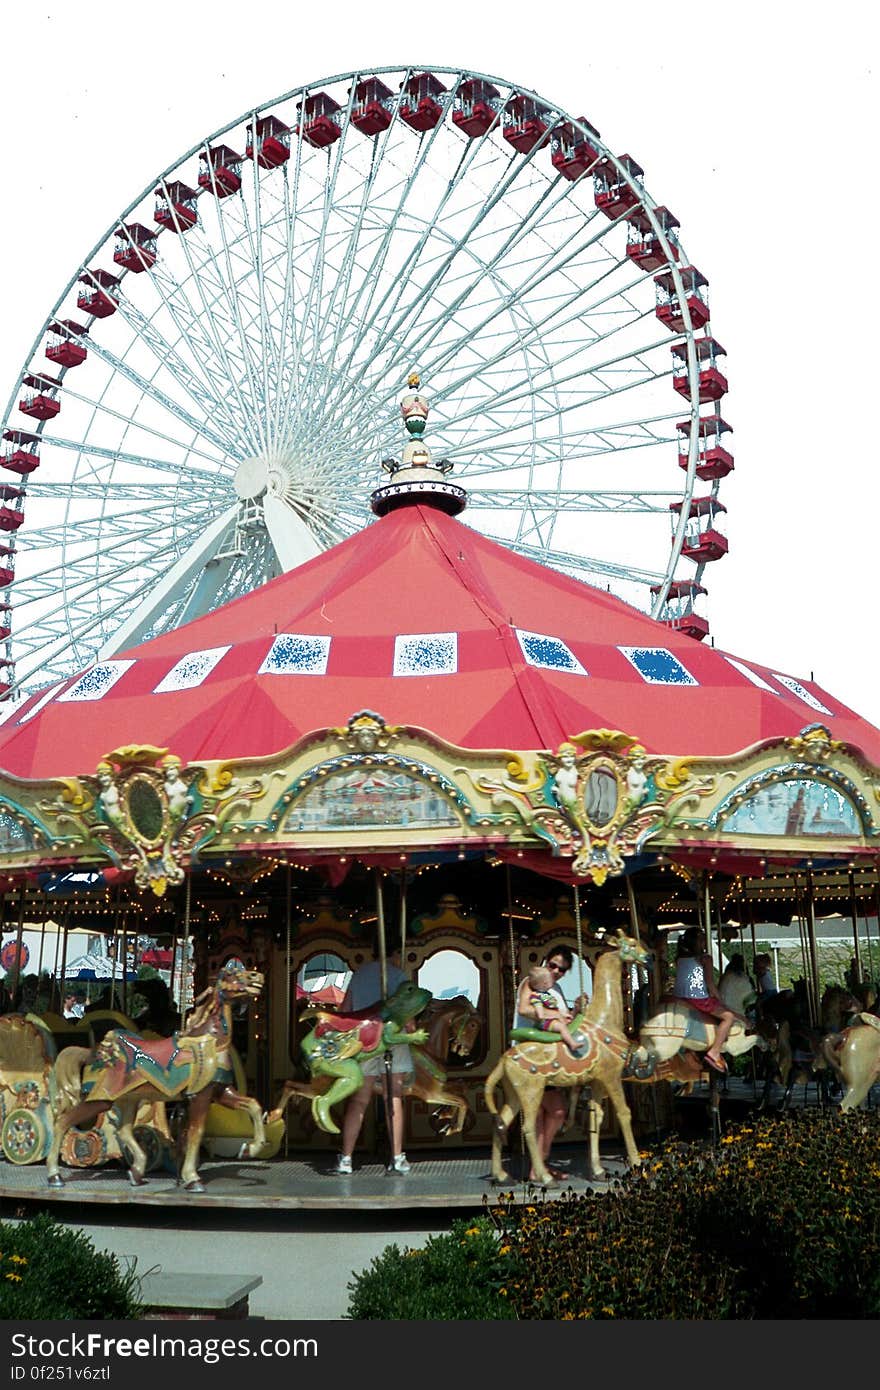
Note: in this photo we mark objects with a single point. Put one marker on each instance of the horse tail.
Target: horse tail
(492, 1081)
(68, 1078)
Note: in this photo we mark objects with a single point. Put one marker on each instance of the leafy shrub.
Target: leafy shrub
(48, 1270)
(459, 1274)
(782, 1220)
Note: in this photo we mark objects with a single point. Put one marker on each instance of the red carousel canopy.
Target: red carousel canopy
(428, 623)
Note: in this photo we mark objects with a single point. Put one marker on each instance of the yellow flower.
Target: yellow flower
(609, 1312)
(15, 1277)
(472, 1231)
(18, 1259)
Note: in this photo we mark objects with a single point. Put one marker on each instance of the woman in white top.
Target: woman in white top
(694, 985)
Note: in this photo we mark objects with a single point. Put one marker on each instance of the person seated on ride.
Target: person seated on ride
(766, 984)
(554, 1102)
(735, 986)
(695, 986)
(550, 1014)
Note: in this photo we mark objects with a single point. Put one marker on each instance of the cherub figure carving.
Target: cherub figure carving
(176, 790)
(565, 782)
(108, 796)
(637, 777)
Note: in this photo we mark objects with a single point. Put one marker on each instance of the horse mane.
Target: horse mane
(203, 1008)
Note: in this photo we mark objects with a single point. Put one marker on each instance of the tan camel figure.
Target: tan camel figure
(854, 1055)
(526, 1068)
(675, 1027)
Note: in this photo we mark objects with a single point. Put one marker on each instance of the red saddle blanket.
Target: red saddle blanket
(364, 1022)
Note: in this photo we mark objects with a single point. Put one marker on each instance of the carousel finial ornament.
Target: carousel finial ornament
(417, 478)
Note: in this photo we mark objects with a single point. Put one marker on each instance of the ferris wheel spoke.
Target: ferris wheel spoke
(582, 565)
(32, 587)
(81, 586)
(121, 492)
(576, 447)
(393, 327)
(349, 308)
(205, 379)
(172, 586)
(551, 263)
(538, 329)
(600, 389)
(367, 312)
(203, 327)
(571, 501)
(315, 307)
(209, 386)
(89, 449)
(200, 428)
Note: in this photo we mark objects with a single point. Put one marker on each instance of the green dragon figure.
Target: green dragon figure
(338, 1044)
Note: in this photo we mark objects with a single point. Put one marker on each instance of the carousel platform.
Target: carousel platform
(440, 1178)
(437, 1180)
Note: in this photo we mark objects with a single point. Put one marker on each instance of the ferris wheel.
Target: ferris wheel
(209, 401)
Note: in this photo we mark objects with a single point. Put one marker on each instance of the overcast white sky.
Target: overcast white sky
(755, 124)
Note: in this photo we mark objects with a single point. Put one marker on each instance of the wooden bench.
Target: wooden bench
(197, 1296)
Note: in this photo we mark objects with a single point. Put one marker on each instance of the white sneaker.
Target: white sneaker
(343, 1165)
(399, 1164)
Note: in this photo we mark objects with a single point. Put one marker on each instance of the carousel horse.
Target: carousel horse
(854, 1056)
(796, 1051)
(338, 1043)
(533, 1063)
(125, 1070)
(453, 1027)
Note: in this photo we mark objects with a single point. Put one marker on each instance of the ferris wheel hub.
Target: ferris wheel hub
(251, 479)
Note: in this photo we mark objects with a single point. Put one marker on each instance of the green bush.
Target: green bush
(48, 1270)
(780, 1220)
(459, 1274)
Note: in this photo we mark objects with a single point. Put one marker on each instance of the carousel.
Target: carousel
(423, 736)
(245, 736)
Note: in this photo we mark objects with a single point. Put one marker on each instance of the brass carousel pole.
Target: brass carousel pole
(814, 950)
(62, 976)
(115, 949)
(868, 930)
(42, 940)
(56, 1002)
(513, 978)
(854, 912)
(802, 934)
(16, 969)
(644, 977)
(510, 941)
(383, 977)
(288, 986)
(580, 941)
(403, 917)
(184, 948)
(754, 938)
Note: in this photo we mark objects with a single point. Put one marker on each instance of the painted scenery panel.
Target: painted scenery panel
(795, 807)
(371, 798)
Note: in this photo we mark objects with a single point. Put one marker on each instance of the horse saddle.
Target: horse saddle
(170, 1066)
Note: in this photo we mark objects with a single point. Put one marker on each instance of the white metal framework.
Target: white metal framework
(248, 342)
